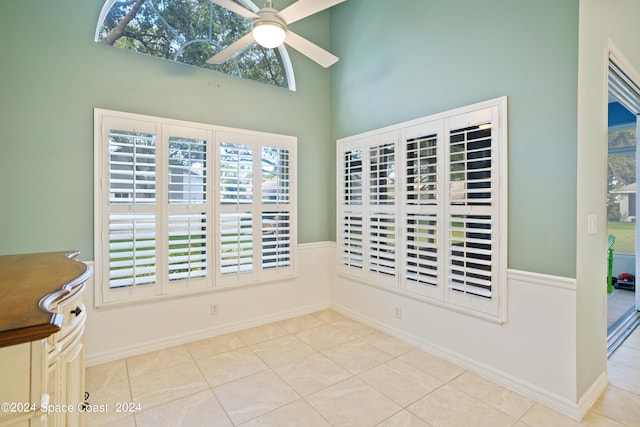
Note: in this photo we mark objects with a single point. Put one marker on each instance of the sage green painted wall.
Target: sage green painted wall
(52, 75)
(405, 59)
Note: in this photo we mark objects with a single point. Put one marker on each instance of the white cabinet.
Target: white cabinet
(42, 320)
(65, 364)
(21, 393)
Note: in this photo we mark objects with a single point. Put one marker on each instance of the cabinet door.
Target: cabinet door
(72, 381)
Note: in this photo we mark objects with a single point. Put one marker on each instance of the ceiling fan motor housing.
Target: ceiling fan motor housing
(270, 29)
(269, 21)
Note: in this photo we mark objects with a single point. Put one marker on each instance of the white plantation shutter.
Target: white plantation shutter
(381, 210)
(257, 232)
(275, 169)
(130, 238)
(422, 207)
(473, 209)
(350, 163)
(182, 207)
(367, 208)
(188, 239)
(236, 177)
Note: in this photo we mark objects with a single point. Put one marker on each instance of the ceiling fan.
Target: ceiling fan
(270, 29)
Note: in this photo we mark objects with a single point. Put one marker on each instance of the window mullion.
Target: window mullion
(445, 206)
(162, 211)
(401, 206)
(257, 209)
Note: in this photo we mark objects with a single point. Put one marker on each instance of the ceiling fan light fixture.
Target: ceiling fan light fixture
(269, 34)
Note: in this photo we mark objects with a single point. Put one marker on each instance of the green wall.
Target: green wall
(399, 60)
(405, 59)
(52, 75)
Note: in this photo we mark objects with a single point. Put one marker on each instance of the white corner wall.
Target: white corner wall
(126, 330)
(603, 26)
(533, 353)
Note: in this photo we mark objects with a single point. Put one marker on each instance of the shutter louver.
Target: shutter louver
(470, 254)
(132, 168)
(132, 250)
(236, 173)
(382, 243)
(187, 246)
(422, 249)
(422, 171)
(382, 174)
(276, 240)
(470, 166)
(187, 171)
(352, 177)
(275, 176)
(352, 250)
(470, 223)
(236, 242)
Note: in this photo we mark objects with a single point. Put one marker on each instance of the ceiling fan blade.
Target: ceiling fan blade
(311, 50)
(236, 8)
(228, 52)
(303, 8)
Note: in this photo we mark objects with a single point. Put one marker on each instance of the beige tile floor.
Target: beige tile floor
(324, 369)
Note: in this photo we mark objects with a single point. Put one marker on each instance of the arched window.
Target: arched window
(191, 31)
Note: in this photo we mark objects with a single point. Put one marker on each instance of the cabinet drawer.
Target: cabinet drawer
(73, 312)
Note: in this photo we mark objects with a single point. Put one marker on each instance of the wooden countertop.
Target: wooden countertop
(30, 286)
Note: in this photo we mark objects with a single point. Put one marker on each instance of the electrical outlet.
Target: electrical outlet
(398, 312)
(214, 309)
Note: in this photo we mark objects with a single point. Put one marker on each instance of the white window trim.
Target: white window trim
(163, 129)
(494, 110)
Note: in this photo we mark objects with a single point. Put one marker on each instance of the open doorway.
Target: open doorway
(623, 299)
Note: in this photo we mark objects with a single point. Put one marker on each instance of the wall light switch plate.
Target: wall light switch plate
(592, 224)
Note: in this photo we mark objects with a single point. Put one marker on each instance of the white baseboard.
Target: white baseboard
(159, 344)
(592, 394)
(532, 391)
